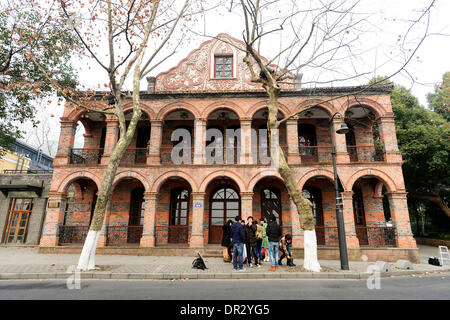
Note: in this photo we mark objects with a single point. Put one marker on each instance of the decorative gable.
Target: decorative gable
(215, 66)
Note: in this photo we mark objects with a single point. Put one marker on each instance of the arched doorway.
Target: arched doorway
(225, 204)
(136, 215)
(371, 213)
(271, 204)
(315, 196)
(179, 216)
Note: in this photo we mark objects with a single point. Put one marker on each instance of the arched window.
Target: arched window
(315, 196)
(225, 204)
(179, 211)
(271, 204)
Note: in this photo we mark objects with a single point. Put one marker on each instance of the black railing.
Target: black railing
(86, 156)
(134, 156)
(315, 154)
(72, 234)
(376, 236)
(367, 236)
(366, 153)
(28, 171)
(123, 235)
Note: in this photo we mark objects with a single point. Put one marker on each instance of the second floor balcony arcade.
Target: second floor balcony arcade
(227, 134)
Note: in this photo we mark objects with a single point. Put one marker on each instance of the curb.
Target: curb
(192, 276)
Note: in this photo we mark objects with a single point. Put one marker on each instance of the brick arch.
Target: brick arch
(76, 113)
(263, 104)
(222, 173)
(65, 183)
(261, 175)
(328, 107)
(388, 181)
(129, 173)
(315, 173)
(173, 173)
(167, 109)
(128, 106)
(223, 105)
(374, 106)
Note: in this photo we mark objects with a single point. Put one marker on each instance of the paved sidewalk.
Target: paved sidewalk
(27, 263)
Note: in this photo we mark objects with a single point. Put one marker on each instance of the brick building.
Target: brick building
(159, 204)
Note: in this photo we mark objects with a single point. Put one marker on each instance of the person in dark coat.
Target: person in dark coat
(238, 239)
(274, 234)
(226, 240)
(251, 241)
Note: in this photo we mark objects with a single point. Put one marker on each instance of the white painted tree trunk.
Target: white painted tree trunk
(310, 261)
(87, 257)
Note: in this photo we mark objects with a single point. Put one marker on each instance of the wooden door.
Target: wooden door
(19, 214)
(179, 216)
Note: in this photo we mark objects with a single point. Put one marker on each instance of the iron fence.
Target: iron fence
(123, 235)
(366, 153)
(72, 234)
(134, 156)
(86, 156)
(315, 154)
(367, 236)
(28, 171)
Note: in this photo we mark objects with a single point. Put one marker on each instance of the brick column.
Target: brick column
(341, 145)
(246, 205)
(349, 220)
(66, 140)
(148, 232)
(198, 209)
(400, 219)
(389, 139)
(199, 141)
(246, 142)
(111, 138)
(154, 155)
(292, 141)
(297, 231)
(53, 217)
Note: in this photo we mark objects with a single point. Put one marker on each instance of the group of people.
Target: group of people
(253, 242)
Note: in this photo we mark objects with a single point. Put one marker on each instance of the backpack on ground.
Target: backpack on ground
(434, 261)
(199, 263)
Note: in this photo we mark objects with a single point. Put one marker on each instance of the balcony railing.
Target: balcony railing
(28, 171)
(367, 236)
(134, 156)
(365, 153)
(166, 154)
(123, 235)
(315, 154)
(86, 156)
(72, 234)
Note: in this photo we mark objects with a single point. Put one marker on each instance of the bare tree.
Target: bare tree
(320, 37)
(127, 40)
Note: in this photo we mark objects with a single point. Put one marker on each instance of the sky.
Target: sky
(380, 48)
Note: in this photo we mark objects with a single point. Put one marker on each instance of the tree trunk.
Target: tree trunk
(87, 257)
(436, 199)
(304, 206)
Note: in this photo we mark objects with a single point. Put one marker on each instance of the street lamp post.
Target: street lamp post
(339, 205)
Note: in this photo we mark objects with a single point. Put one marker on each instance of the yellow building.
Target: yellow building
(13, 161)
